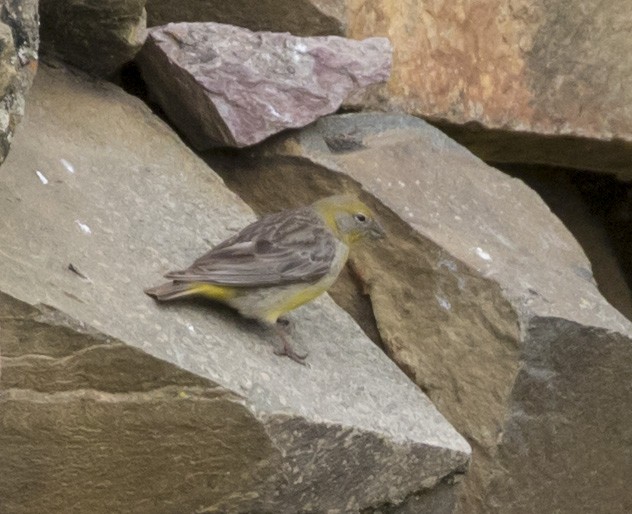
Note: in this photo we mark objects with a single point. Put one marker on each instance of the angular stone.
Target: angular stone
(113, 403)
(228, 86)
(514, 80)
(19, 40)
(299, 17)
(564, 198)
(484, 298)
(98, 37)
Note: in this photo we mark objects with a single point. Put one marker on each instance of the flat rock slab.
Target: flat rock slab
(223, 85)
(19, 41)
(299, 17)
(485, 299)
(548, 82)
(113, 403)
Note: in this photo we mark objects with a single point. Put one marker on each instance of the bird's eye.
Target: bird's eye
(360, 217)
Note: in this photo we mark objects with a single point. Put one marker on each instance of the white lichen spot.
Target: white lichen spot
(41, 176)
(443, 303)
(68, 165)
(378, 179)
(417, 182)
(401, 184)
(191, 328)
(483, 254)
(406, 208)
(84, 228)
(390, 184)
(274, 112)
(458, 218)
(300, 48)
(411, 215)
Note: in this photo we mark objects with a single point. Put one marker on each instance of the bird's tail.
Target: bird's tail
(170, 291)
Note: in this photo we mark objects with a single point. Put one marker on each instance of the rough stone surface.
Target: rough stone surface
(19, 41)
(564, 197)
(484, 298)
(96, 36)
(228, 86)
(523, 70)
(299, 17)
(112, 403)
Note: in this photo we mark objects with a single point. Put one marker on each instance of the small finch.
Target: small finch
(277, 263)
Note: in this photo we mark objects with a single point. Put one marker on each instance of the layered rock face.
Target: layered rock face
(480, 327)
(19, 40)
(484, 298)
(112, 403)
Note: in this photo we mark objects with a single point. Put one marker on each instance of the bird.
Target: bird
(278, 263)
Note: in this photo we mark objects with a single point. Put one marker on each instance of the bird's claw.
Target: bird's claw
(288, 351)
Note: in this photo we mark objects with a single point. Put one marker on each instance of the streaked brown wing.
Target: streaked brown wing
(282, 248)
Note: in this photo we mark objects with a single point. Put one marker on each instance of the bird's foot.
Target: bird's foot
(287, 348)
(288, 351)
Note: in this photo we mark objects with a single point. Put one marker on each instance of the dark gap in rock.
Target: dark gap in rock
(597, 209)
(130, 79)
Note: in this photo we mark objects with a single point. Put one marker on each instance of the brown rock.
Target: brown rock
(19, 40)
(223, 85)
(521, 70)
(484, 298)
(300, 17)
(98, 37)
(112, 403)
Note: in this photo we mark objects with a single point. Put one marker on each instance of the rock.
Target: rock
(224, 85)
(482, 297)
(515, 81)
(98, 37)
(300, 17)
(19, 41)
(564, 198)
(113, 403)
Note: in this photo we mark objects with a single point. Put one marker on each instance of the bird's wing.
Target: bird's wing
(287, 247)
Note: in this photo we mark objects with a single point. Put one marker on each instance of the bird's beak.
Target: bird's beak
(376, 231)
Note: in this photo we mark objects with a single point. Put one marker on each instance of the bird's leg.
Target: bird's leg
(287, 349)
(283, 322)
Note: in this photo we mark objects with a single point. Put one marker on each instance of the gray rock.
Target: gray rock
(299, 17)
(113, 403)
(98, 37)
(228, 86)
(19, 40)
(485, 299)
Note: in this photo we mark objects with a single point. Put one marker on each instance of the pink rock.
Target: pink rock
(223, 85)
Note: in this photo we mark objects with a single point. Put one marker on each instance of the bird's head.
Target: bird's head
(349, 218)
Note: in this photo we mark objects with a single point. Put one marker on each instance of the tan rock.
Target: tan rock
(484, 298)
(521, 70)
(300, 17)
(112, 403)
(98, 37)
